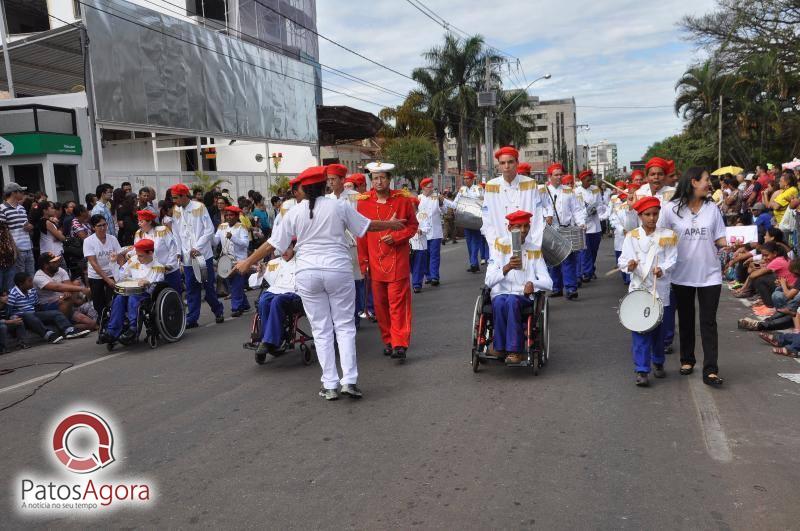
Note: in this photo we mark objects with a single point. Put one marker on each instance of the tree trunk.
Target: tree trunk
(462, 132)
(440, 147)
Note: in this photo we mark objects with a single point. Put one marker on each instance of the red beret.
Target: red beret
(312, 175)
(233, 208)
(670, 167)
(519, 217)
(507, 150)
(568, 179)
(425, 182)
(657, 162)
(148, 215)
(357, 179)
(469, 174)
(524, 168)
(144, 245)
(337, 169)
(554, 167)
(623, 196)
(637, 173)
(633, 187)
(585, 173)
(620, 184)
(180, 189)
(646, 202)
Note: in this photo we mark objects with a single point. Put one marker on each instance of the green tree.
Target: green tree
(435, 99)
(407, 119)
(685, 149)
(414, 156)
(511, 127)
(206, 182)
(280, 187)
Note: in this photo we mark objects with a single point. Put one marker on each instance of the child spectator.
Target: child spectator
(7, 324)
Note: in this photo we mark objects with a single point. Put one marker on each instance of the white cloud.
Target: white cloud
(610, 53)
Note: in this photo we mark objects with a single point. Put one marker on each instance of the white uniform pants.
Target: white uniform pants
(329, 300)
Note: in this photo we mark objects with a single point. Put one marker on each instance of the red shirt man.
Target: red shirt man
(386, 255)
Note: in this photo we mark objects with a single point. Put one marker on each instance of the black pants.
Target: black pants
(102, 294)
(764, 286)
(708, 300)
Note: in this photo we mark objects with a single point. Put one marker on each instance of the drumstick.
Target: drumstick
(655, 278)
(617, 188)
(615, 270)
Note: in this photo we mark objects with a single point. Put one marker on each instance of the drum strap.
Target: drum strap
(553, 200)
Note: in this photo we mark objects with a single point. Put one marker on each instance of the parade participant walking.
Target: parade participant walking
(234, 240)
(473, 236)
(386, 255)
(568, 213)
(195, 232)
(166, 247)
(701, 232)
(592, 198)
(324, 278)
(649, 254)
(419, 251)
(620, 205)
(513, 279)
(431, 207)
(508, 193)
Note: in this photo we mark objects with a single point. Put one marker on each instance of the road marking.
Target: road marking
(74, 368)
(794, 377)
(714, 436)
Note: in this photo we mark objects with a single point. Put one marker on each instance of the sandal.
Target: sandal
(712, 380)
(687, 369)
(783, 351)
(769, 338)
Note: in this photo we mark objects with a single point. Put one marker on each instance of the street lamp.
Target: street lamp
(276, 161)
(524, 91)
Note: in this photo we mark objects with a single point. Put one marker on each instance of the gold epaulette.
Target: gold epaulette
(534, 254)
(273, 267)
(667, 196)
(176, 214)
(528, 185)
(140, 234)
(595, 190)
(197, 212)
(542, 189)
(566, 190)
(634, 233)
(492, 188)
(668, 241)
(133, 264)
(159, 269)
(162, 230)
(237, 225)
(504, 248)
(401, 193)
(362, 197)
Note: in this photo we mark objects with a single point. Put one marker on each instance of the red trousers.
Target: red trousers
(393, 310)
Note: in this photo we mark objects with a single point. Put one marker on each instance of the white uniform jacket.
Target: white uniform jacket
(592, 199)
(534, 269)
(279, 274)
(430, 208)
(619, 211)
(664, 195)
(474, 191)
(349, 198)
(567, 205)
(165, 244)
(419, 242)
(285, 206)
(193, 228)
(503, 198)
(659, 249)
(133, 269)
(235, 246)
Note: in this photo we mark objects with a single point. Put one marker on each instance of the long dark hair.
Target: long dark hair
(685, 191)
(312, 192)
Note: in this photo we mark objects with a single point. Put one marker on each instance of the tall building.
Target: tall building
(603, 159)
(554, 137)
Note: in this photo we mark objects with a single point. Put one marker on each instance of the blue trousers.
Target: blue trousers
(648, 348)
(359, 300)
(124, 306)
(565, 275)
(419, 266)
(589, 255)
(509, 330)
(484, 248)
(434, 258)
(174, 280)
(790, 341)
(238, 299)
(626, 278)
(474, 243)
(272, 310)
(193, 288)
(668, 322)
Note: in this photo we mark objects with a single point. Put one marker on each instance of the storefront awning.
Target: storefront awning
(340, 124)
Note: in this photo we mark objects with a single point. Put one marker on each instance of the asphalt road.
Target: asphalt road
(229, 444)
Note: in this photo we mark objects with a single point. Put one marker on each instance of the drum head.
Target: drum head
(224, 266)
(640, 312)
(170, 316)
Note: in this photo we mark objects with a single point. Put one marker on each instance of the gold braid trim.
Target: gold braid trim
(273, 267)
(528, 185)
(668, 241)
(362, 197)
(504, 248)
(492, 188)
(197, 212)
(634, 233)
(535, 254)
(159, 269)
(162, 231)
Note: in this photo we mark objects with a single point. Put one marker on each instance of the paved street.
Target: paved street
(230, 444)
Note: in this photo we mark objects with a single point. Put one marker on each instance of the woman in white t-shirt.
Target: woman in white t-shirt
(101, 250)
(701, 233)
(51, 239)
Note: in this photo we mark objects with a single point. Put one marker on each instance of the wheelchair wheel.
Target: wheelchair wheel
(169, 315)
(476, 360)
(545, 331)
(103, 324)
(306, 352)
(476, 321)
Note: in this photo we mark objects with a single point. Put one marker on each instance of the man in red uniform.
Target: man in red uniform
(386, 254)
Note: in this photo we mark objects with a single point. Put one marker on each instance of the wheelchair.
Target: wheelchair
(536, 334)
(292, 336)
(162, 316)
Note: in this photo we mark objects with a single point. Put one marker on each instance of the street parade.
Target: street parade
(236, 297)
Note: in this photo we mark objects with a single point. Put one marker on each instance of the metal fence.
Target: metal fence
(237, 183)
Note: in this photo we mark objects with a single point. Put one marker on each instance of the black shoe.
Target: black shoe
(713, 381)
(417, 290)
(127, 337)
(237, 313)
(659, 371)
(572, 296)
(329, 394)
(585, 280)
(668, 349)
(105, 337)
(435, 282)
(387, 350)
(428, 281)
(399, 353)
(191, 325)
(557, 294)
(220, 319)
(594, 276)
(641, 379)
(352, 391)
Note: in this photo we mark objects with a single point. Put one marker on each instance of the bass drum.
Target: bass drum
(639, 311)
(555, 247)
(468, 213)
(169, 315)
(224, 266)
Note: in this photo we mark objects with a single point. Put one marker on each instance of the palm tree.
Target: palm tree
(698, 93)
(512, 126)
(206, 182)
(434, 95)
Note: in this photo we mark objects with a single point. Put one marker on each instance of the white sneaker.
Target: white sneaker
(54, 338)
(76, 334)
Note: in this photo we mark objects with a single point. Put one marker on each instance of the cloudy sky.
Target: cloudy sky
(615, 53)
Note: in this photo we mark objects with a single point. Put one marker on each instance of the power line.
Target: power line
(625, 107)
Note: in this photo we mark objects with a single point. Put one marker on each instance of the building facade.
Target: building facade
(603, 159)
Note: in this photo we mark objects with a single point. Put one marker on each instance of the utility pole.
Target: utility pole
(489, 125)
(6, 58)
(719, 135)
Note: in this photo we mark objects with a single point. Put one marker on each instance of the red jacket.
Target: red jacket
(387, 263)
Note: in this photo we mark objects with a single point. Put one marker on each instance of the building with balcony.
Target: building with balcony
(603, 159)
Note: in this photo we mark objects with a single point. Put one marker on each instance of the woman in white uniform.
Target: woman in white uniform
(324, 274)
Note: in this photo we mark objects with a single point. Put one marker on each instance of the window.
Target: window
(211, 9)
(541, 140)
(27, 17)
(541, 128)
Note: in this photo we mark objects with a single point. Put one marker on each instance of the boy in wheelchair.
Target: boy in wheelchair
(513, 279)
(276, 302)
(143, 269)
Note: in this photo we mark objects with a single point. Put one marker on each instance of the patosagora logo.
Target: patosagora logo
(83, 464)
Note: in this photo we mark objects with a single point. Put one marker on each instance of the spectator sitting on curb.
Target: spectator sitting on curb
(56, 291)
(9, 324)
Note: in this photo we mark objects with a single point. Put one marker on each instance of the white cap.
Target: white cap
(750, 177)
(379, 167)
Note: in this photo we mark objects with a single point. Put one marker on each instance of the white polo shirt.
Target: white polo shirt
(698, 264)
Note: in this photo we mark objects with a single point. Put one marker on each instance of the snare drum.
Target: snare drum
(225, 266)
(575, 235)
(639, 311)
(468, 213)
(129, 287)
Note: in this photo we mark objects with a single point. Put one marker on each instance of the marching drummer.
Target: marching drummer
(193, 227)
(432, 206)
(649, 254)
(592, 198)
(234, 240)
(419, 250)
(166, 247)
(473, 236)
(568, 213)
(143, 268)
